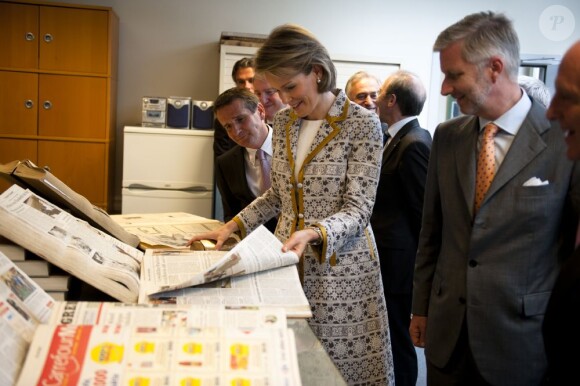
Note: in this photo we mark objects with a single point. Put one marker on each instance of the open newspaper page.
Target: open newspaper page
(279, 287)
(71, 244)
(171, 230)
(48, 186)
(130, 355)
(167, 315)
(167, 270)
(23, 305)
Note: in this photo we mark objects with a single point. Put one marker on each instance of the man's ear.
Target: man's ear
(262, 111)
(392, 100)
(496, 67)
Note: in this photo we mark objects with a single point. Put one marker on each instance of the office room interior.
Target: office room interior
(172, 48)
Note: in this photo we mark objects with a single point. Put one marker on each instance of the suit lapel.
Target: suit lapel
(394, 143)
(527, 145)
(465, 159)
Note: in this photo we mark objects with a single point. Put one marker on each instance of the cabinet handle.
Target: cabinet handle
(47, 105)
(29, 104)
(29, 36)
(48, 38)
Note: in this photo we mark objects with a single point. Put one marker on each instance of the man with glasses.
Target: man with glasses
(363, 89)
(268, 96)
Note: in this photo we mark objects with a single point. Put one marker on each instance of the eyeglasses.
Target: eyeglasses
(364, 95)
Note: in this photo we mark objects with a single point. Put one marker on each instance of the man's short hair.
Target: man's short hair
(227, 97)
(242, 63)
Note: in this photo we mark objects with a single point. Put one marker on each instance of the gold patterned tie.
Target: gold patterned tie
(485, 164)
(265, 182)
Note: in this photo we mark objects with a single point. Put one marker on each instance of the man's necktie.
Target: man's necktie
(485, 164)
(265, 169)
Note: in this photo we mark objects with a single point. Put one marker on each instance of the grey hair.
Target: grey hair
(536, 89)
(484, 35)
(357, 77)
(290, 50)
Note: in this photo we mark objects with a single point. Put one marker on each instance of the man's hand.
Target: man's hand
(417, 330)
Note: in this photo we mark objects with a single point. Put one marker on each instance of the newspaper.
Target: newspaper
(130, 355)
(167, 315)
(48, 186)
(172, 230)
(23, 305)
(167, 270)
(70, 243)
(279, 287)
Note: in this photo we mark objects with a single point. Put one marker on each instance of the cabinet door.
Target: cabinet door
(18, 103)
(16, 149)
(82, 166)
(74, 40)
(19, 35)
(72, 106)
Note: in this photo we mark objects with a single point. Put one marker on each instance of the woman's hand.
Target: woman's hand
(220, 235)
(298, 241)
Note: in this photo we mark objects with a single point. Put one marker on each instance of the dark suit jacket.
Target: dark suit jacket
(233, 186)
(495, 270)
(396, 218)
(561, 324)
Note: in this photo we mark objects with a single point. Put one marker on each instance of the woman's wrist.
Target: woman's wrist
(318, 232)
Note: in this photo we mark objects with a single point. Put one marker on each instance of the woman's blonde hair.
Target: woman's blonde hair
(290, 50)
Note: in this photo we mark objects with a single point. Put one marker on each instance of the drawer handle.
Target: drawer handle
(48, 38)
(29, 104)
(47, 105)
(29, 36)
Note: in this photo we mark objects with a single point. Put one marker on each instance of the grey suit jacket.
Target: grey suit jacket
(495, 270)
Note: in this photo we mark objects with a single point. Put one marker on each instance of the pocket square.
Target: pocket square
(535, 181)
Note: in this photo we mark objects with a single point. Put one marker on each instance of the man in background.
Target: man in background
(363, 89)
(396, 217)
(243, 172)
(499, 191)
(268, 96)
(535, 88)
(563, 312)
(243, 76)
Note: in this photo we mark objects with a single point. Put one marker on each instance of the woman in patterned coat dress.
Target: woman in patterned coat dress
(325, 170)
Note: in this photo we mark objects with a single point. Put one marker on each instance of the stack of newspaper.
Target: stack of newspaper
(115, 343)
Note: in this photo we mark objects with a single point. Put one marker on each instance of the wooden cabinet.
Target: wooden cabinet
(57, 91)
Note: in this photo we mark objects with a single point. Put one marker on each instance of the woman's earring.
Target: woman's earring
(317, 80)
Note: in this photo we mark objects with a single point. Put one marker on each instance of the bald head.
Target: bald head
(565, 107)
(402, 95)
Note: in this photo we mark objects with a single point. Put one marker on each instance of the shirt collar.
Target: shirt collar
(397, 126)
(512, 120)
(266, 146)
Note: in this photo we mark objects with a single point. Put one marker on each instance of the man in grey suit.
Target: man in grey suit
(483, 276)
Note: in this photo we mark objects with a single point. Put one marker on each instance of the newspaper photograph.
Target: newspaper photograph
(167, 270)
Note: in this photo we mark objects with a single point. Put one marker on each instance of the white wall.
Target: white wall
(171, 47)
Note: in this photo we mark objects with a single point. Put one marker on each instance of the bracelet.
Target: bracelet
(319, 233)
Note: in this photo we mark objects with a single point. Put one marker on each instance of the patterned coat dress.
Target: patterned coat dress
(335, 190)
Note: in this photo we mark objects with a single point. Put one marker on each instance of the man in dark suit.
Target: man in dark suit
(490, 243)
(563, 312)
(240, 174)
(396, 218)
